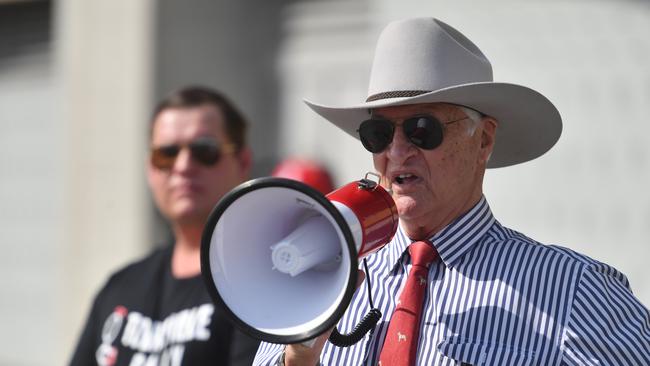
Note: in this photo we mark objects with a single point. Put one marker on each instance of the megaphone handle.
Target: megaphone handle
(365, 325)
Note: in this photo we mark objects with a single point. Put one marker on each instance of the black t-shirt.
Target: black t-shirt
(145, 317)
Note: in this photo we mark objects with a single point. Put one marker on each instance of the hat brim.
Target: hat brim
(528, 123)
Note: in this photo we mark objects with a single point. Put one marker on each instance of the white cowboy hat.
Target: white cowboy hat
(424, 60)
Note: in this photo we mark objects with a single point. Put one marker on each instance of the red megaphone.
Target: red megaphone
(281, 259)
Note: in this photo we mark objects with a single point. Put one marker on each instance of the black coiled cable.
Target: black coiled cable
(365, 325)
(346, 340)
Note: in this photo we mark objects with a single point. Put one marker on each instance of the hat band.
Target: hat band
(396, 94)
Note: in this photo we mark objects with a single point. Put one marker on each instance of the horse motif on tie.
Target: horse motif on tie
(423, 281)
(401, 337)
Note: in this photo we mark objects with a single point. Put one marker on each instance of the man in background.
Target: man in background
(157, 311)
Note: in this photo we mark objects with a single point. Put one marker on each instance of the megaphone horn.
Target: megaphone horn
(281, 259)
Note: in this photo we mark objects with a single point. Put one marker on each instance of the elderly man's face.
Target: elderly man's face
(433, 187)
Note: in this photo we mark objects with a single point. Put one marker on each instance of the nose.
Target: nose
(184, 161)
(400, 148)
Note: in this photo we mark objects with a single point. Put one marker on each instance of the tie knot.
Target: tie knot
(422, 253)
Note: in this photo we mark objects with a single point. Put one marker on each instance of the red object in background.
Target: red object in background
(305, 171)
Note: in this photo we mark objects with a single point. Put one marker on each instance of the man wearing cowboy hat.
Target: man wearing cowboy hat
(434, 121)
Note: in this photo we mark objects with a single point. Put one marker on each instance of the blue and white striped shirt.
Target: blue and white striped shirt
(497, 297)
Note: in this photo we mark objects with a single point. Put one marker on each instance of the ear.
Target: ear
(245, 160)
(488, 138)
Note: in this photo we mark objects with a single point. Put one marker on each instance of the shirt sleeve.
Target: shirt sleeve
(268, 354)
(607, 325)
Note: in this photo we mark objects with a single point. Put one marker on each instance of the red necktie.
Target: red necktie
(401, 342)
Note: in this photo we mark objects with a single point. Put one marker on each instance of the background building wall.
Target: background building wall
(78, 80)
(103, 70)
(31, 155)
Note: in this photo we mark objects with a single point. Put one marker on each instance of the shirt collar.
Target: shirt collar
(454, 240)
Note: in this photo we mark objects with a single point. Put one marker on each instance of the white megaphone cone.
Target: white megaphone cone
(281, 259)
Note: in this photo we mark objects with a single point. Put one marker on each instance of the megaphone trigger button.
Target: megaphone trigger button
(367, 184)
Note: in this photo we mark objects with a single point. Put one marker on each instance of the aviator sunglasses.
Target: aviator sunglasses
(205, 151)
(425, 132)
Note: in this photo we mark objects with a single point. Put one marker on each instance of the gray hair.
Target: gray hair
(474, 116)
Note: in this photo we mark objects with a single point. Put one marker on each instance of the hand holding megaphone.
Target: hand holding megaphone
(281, 259)
(308, 353)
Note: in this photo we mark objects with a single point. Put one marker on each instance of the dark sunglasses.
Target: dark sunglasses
(205, 151)
(425, 132)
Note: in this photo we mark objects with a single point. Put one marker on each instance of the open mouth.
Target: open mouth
(404, 178)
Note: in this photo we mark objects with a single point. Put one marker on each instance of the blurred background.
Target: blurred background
(79, 78)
